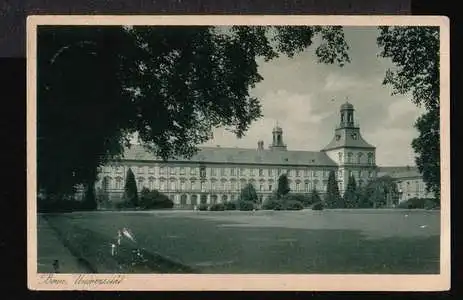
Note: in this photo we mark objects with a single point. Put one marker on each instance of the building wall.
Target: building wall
(185, 182)
(412, 187)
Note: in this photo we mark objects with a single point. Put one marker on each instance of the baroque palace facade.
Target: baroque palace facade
(217, 174)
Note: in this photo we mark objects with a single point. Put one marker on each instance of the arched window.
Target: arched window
(183, 184)
(340, 157)
(359, 157)
(349, 157)
(151, 183)
(194, 199)
(370, 158)
(118, 183)
(141, 182)
(224, 198)
(163, 185)
(183, 199)
(214, 199)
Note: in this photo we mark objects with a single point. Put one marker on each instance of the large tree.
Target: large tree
(333, 198)
(351, 197)
(130, 189)
(172, 85)
(414, 52)
(283, 186)
(380, 192)
(248, 194)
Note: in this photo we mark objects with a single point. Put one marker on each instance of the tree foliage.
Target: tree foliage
(97, 85)
(380, 192)
(333, 198)
(415, 54)
(130, 189)
(283, 186)
(248, 193)
(351, 196)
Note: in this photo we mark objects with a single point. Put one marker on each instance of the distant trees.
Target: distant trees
(333, 197)
(379, 192)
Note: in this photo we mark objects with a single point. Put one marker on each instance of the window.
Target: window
(233, 185)
(118, 183)
(151, 183)
(349, 157)
(261, 187)
(173, 170)
(193, 171)
(270, 187)
(151, 170)
(298, 173)
(270, 172)
(306, 186)
(183, 185)
(252, 172)
(306, 172)
(172, 185)
(162, 170)
(182, 170)
(261, 172)
(340, 157)
(194, 185)
(223, 172)
(370, 158)
(118, 169)
(298, 186)
(359, 157)
(140, 182)
(340, 174)
(220, 185)
(242, 172)
(163, 185)
(213, 172)
(202, 172)
(232, 172)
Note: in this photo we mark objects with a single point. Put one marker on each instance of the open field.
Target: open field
(329, 241)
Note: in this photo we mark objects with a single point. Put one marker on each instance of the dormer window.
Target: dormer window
(354, 136)
(338, 137)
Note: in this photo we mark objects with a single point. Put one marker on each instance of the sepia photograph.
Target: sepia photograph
(238, 153)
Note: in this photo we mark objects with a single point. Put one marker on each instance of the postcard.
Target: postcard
(236, 153)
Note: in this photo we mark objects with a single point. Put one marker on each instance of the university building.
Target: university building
(217, 174)
(409, 182)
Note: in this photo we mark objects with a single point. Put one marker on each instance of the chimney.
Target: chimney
(260, 145)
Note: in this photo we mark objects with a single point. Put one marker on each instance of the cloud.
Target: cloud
(335, 82)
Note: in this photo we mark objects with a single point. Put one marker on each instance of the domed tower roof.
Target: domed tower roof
(277, 129)
(347, 106)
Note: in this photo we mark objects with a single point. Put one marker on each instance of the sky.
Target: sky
(298, 93)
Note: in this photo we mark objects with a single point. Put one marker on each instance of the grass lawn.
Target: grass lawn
(329, 241)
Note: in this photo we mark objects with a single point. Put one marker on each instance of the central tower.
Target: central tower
(354, 156)
(277, 142)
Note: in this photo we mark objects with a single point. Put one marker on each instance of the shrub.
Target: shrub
(246, 205)
(271, 204)
(230, 205)
(317, 206)
(217, 207)
(418, 203)
(293, 205)
(154, 200)
(203, 206)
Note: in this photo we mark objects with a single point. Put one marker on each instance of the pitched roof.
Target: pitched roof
(399, 172)
(240, 156)
(346, 140)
